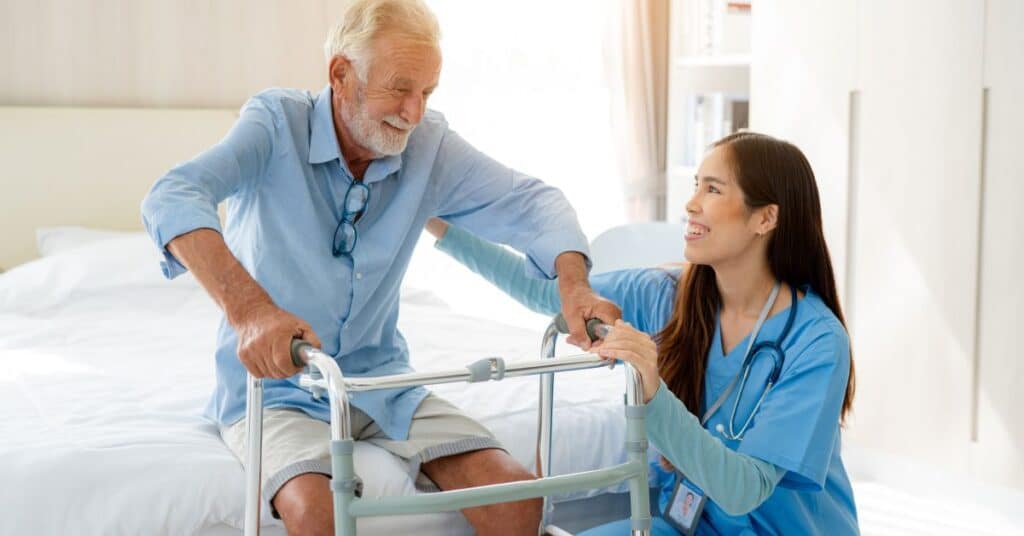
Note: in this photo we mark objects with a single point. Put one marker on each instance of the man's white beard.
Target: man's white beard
(370, 133)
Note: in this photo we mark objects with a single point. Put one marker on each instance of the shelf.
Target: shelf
(712, 74)
(725, 60)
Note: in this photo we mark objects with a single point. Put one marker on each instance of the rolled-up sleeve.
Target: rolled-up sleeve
(186, 197)
(503, 205)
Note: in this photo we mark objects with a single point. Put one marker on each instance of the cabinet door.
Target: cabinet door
(802, 73)
(915, 226)
(998, 453)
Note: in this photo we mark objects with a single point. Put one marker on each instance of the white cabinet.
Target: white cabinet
(915, 214)
(922, 192)
(998, 453)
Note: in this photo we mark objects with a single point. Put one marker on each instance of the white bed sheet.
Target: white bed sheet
(103, 377)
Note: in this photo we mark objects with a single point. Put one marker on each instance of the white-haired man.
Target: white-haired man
(326, 197)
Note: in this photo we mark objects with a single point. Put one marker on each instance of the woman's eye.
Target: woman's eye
(713, 190)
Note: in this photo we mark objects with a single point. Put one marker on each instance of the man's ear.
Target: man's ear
(768, 220)
(339, 72)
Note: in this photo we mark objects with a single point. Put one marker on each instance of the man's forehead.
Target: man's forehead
(406, 61)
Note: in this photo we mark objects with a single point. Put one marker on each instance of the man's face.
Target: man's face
(381, 113)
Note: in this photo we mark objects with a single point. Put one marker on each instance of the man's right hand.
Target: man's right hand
(265, 331)
(265, 336)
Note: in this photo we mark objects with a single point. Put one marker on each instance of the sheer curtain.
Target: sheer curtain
(526, 82)
(637, 59)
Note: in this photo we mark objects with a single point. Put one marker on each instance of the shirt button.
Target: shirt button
(359, 275)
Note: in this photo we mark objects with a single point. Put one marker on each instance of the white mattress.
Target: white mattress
(105, 369)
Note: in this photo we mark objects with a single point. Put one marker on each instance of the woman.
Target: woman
(766, 460)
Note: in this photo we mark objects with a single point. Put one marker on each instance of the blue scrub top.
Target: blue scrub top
(797, 426)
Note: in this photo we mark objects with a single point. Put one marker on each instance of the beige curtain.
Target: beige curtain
(637, 61)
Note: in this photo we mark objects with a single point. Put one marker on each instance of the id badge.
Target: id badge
(684, 508)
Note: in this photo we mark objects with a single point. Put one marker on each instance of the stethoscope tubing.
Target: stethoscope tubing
(778, 356)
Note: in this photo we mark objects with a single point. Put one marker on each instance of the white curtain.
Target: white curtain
(526, 82)
(637, 63)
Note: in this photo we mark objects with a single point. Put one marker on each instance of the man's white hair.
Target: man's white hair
(364, 20)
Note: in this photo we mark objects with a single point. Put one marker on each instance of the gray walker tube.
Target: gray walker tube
(325, 377)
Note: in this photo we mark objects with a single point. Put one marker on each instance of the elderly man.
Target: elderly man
(326, 196)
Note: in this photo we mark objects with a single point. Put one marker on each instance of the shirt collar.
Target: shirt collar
(324, 147)
(323, 142)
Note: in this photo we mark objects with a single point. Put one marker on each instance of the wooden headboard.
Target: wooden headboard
(89, 166)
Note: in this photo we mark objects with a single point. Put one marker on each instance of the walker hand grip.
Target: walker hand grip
(596, 329)
(297, 346)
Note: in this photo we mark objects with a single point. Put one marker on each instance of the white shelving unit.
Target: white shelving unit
(709, 86)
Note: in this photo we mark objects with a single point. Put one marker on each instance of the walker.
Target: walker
(324, 376)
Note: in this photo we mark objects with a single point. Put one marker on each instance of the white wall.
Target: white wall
(159, 53)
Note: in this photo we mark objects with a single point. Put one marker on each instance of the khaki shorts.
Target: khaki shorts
(295, 443)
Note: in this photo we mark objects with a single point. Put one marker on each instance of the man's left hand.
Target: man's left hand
(579, 302)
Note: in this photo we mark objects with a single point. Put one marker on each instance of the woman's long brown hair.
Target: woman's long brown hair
(769, 171)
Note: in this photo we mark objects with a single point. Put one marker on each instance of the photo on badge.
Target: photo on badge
(684, 509)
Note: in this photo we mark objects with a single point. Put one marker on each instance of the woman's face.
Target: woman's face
(721, 227)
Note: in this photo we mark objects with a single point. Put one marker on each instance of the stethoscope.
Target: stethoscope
(778, 356)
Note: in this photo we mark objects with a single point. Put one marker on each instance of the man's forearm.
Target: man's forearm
(571, 267)
(205, 254)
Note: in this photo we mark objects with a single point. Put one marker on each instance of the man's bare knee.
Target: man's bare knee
(305, 506)
(481, 468)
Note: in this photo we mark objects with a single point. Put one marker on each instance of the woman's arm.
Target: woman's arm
(501, 267)
(645, 295)
(738, 483)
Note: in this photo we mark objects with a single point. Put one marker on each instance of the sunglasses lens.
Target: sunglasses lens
(356, 200)
(344, 238)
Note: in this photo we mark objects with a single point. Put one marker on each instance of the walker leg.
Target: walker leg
(343, 485)
(636, 451)
(547, 388)
(253, 459)
(545, 419)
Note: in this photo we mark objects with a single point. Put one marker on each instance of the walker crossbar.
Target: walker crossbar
(326, 377)
(449, 501)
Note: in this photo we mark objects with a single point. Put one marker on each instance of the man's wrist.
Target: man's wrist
(571, 268)
(243, 299)
(242, 311)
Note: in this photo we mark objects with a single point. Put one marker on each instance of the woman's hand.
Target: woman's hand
(636, 348)
(437, 227)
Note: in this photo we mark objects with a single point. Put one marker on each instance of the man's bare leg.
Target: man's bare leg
(480, 468)
(306, 507)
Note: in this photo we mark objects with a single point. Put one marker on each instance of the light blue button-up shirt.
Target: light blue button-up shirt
(281, 174)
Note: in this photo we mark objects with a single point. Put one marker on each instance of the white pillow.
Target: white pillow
(52, 240)
(131, 260)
